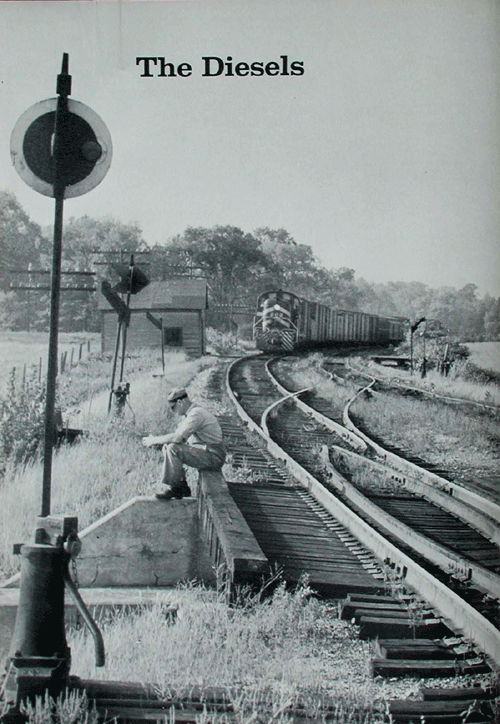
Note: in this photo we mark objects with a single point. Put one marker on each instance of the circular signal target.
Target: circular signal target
(84, 143)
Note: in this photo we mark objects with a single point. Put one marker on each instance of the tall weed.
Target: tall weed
(225, 343)
(21, 420)
(285, 651)
(104, 469)
(72, 708)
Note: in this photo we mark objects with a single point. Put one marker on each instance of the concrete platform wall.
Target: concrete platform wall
(150, 545)
(144, 542)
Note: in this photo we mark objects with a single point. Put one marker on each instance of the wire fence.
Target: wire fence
(68, 360)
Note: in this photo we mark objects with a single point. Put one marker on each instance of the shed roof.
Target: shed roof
(180, 293)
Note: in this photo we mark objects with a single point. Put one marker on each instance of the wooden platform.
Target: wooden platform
(294, 537)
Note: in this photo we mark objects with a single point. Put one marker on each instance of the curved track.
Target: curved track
(484, 485)
(318, 525)
(292, 433)
(469, 537)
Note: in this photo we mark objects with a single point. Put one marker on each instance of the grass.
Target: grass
(364, 474)
(455, 385)
(107, 467)
(288, 650)
(20, 348)
(438, 433)
(71, 709)
(226, 343)
(269, 655)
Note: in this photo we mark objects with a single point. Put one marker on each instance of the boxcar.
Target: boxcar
(284, 321)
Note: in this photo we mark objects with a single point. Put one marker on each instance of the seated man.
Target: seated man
(208, 451)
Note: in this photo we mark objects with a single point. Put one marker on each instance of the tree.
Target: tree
(21, 245)
(460, 311)
(291, 266)
(492, 318)
(81, 238)
(21, 239)
(231, 259)
(340, 290)
(170, 260)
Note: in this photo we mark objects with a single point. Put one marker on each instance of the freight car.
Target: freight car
(284, 322)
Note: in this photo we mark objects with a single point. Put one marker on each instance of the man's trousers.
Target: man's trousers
(175, 455)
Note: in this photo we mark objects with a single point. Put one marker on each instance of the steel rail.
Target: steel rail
(347, 435)
(483, 523)
(446, 559)
(459, 613)
(486, 520)
(432, 551)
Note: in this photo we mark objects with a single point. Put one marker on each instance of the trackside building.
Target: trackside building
(179, 305)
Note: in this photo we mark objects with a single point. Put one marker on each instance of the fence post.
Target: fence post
(80, 352)
(72, 354)
(88, 346)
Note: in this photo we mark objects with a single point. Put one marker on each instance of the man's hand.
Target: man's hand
(149, 441)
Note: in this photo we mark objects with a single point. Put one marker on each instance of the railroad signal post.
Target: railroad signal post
(413, 329)
(62, 149)
(132, 280)
(158, 323)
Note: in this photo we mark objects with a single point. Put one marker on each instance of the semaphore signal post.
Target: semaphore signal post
(62, 149)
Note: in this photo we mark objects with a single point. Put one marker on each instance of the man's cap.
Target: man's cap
(178, 393)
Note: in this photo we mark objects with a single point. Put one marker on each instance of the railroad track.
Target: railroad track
(467, 548)
(485, 486)
(470, 551)
(294, 435)
(305, 522)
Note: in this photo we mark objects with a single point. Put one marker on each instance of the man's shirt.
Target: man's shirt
(201, 425)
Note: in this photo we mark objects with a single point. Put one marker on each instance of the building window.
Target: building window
(172, 336)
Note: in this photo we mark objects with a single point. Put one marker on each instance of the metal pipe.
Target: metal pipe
(162, 346)
(124, 338)
(115, 359)
(64, 89)
(100, 656)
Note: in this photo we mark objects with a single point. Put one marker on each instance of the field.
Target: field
(20, 349)
(485, 355)
(270, 654)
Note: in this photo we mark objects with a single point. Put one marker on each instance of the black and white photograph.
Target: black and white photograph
(250, 361)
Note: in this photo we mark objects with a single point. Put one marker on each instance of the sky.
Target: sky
(383, 155)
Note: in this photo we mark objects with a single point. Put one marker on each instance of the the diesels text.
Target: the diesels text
(213, 66)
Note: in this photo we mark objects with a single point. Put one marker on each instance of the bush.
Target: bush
(223, 343)
(472, 373)
(22, 418)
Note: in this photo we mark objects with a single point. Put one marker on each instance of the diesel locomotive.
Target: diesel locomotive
(284, 322)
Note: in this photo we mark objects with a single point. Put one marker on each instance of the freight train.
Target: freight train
(284, 322)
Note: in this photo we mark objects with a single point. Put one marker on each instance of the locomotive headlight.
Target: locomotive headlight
(276, 306)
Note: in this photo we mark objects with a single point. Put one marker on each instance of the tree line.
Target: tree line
(238, 266)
